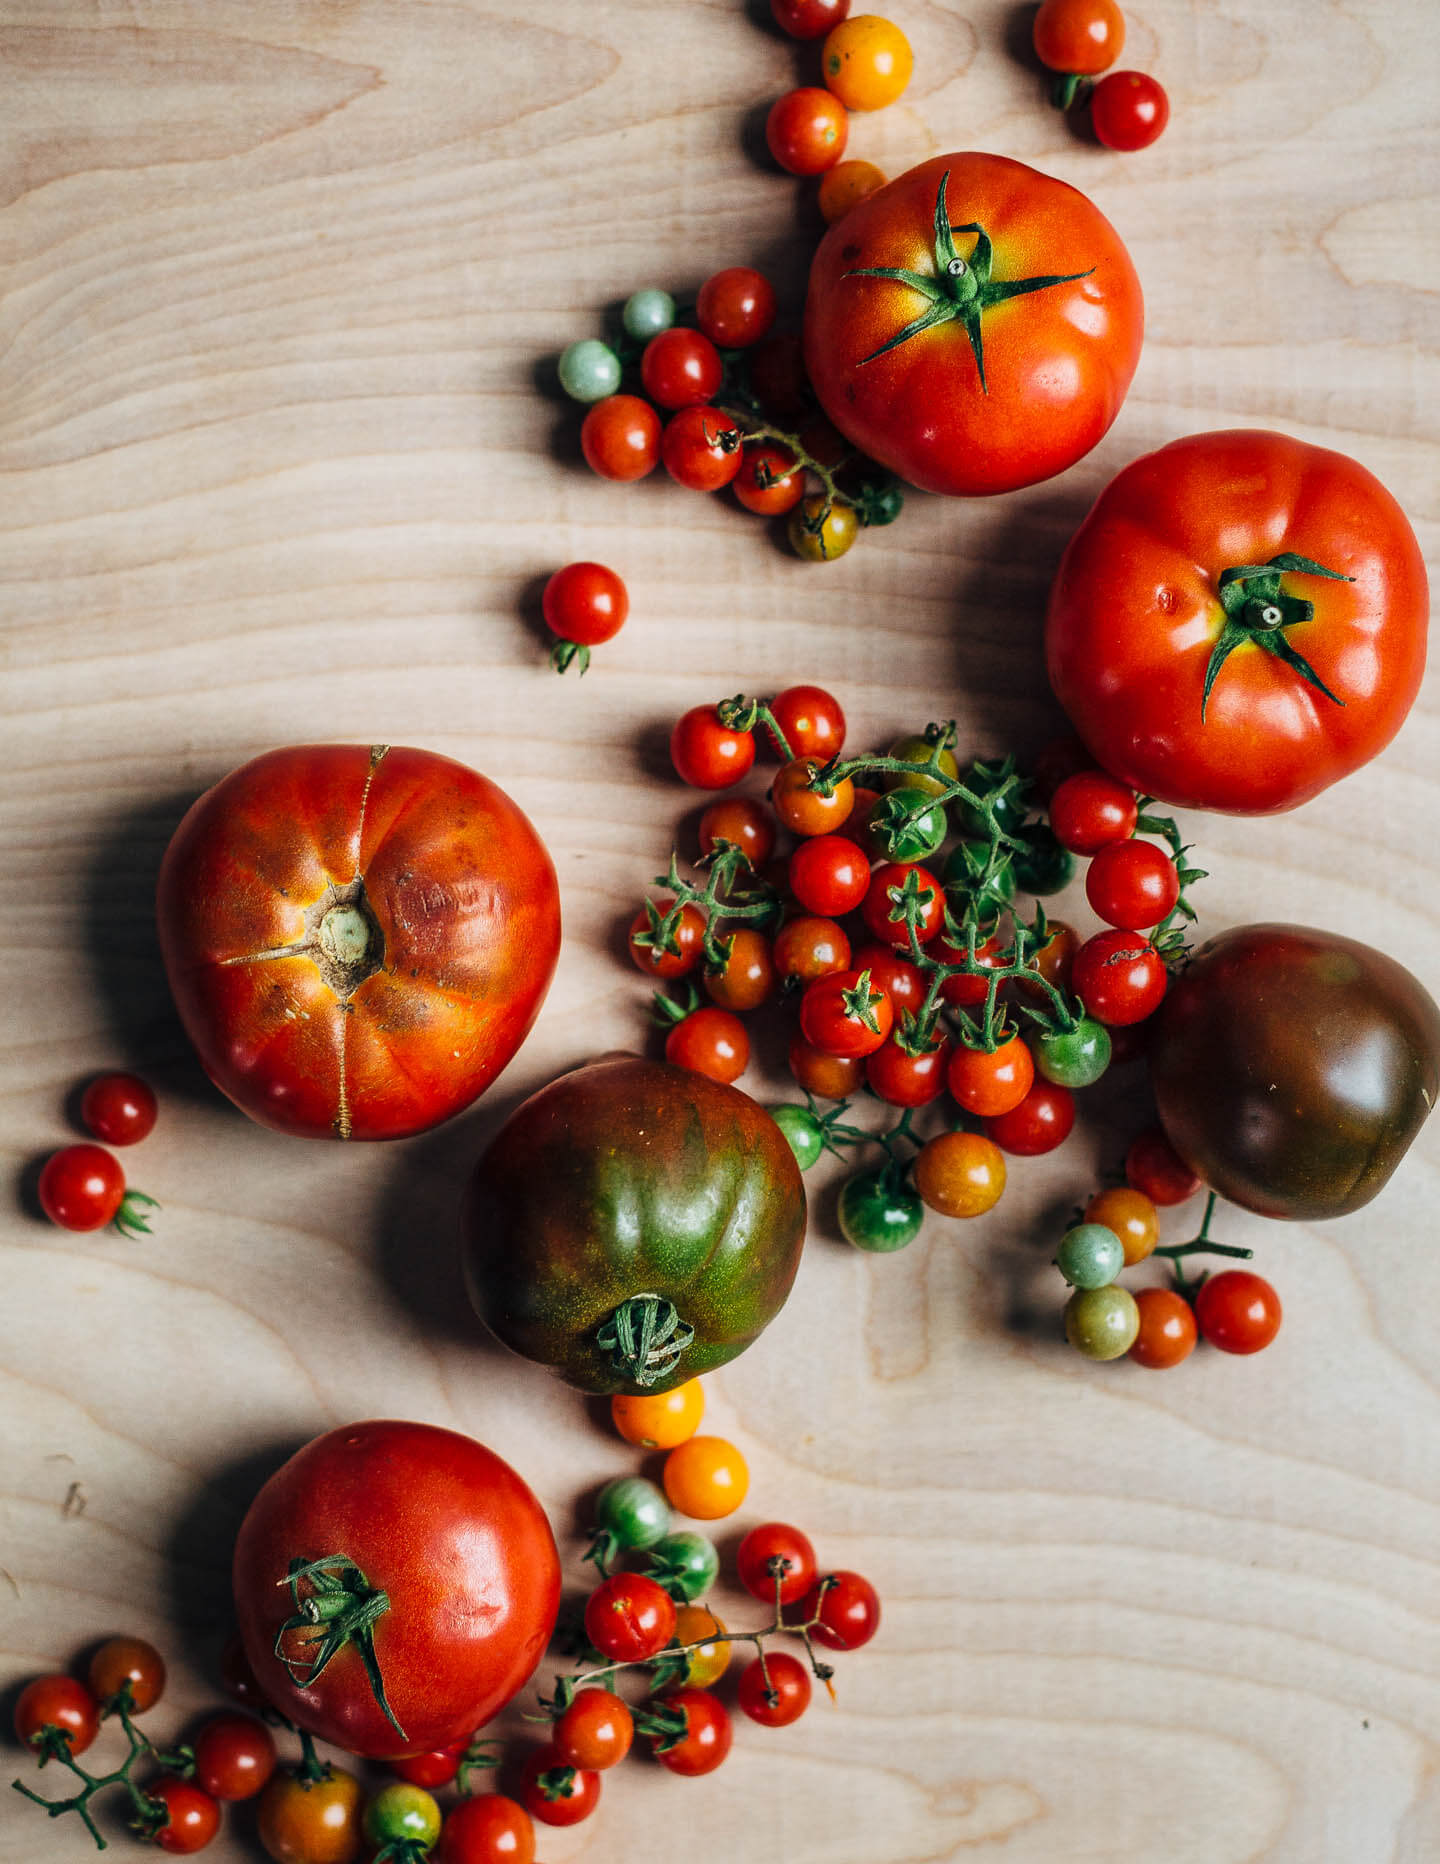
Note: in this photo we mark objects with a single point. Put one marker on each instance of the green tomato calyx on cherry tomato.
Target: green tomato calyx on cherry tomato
(1259, 608)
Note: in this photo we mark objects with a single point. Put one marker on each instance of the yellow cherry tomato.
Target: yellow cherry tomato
(960, 1174)
(845, 185)
(1131, 1215)
(866, 62)
(817, 538)
(659, 1420)
(706, 1478)
(708, 1664)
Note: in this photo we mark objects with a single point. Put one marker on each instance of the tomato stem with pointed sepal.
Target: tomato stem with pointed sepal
(645, 1338)
(1258, 609)
(341, 1608)
(148, 1814)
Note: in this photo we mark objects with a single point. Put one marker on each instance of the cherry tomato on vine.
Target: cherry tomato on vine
(812, 720)
(885, 917)
(1090, 809)
(81, 1187)
(903, 982)
(905, 1080)
(595, 1731)
(705, 1478)
(822, 529)
(776, 1541)
(866, 62)
(1167, 1328)
(687, 936)
(848, 1609)
(659, 1420)
(1119, 977)
(960, 1174)
(585, 603)
(630, 1513)
(119, 1109)
(1237, 1311)
(556, 1793)
(806, 130)
(1052, 961)
(234, 1756)
(878, 1213)
(808, 19)
(1090, 1256)
(707, 1737)
(402, 1811)
(486, 1829)
(311, 1822)
(803, 810)
(128, 1668)
(769, 482)
(1043, 867)
(620, 438)
(711, 1042)
(829, 875)
(629, 1617)
(680, 368)
(437, 1768)
(1080, 36)
(827, 1077)
(742, 821)
(1102, 1323)
(993, 1081)
(844, 1014)
(810, 947)
(775, 1690)
(748, 976)
(1131, 1215)
(1041, 1122)
(735, 307)
(57, 1702)
(968, 989)
(1153, 1166)
(687, 1565)
(913, 834)
(845, 185)
(1074, 1057)
(1132, 884)
(707, 754)
(1129, 110)
(916, 748)
(701, 449)
(708, 1662)
(192, 1818)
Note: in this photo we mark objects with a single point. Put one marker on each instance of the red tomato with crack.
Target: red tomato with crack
(973, 325)
(358, 938)
(1244, 693)
(434, 1537)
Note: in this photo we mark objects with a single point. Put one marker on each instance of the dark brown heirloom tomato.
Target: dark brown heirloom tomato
(1292, 1068)
(632, 1225)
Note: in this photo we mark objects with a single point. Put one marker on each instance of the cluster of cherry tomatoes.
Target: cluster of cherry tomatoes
(82, 1187)
(865, 64)
(1079, 39)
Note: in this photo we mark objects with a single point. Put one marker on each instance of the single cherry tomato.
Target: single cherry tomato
(1129, 110)
(629, 1617)
(1074, 1057)
(595, 1731)
(821, 528)
(659, 1420)
(708, 1662)
(827, 1077)
(1041, 1122)
(128, 1670)
(806, 130)
(682, 949)
(960, 1174)
(234, 1756)
(903, 982)
(620, 438)
(556, 1793)
(312, 1822)
(486, 1829)
(748, 976)
(812, 720)
(866, 62)
(707, 1737)
(742, 821)
(736, 307)
(905, 1080)
(81, 1187)
(403, 1814)
(806, 811)
(992, 1081)
(711, 1042)
(437, 1768)
(701, 448)
(1079, 36)
(1119, 977)
(845, 185)
(1102, 1323)
(119, 1109)
(774, 1690)
(57, 1702)
(1152, 1165)
(1131, 1215)
(884, 913)
(1091, 809)
(1167, 1328)
(192, 1818)
(844, 1014)
(707, 754)
(1237, 1311)
(585, 603)
(847, 1607)
(680, 368)
(705, 1478)
(829, 875)
(1132, 884)
(772, 1543)
(769, 482)
(808, 19)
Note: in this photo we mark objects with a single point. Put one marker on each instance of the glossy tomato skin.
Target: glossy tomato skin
(459, 1545)
(1058, 360)
(455, 914)
(1292, 1068)
(629, 1177)
(1135, 612)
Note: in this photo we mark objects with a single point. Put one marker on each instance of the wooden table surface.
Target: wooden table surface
(280, 285)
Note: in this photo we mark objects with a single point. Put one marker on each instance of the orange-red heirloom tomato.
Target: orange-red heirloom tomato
(973, 325)
(441, 1571)
(1239, 622)
(358, 937)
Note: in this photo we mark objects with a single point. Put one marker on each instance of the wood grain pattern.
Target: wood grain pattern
(278, 283)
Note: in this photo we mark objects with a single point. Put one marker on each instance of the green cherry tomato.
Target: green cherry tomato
(915, 748)
(1010, 811)
(685, 1564)
(962, 875)
(878, 1216)
(589, 370)
(1090, 1256)
(631, 1512)
(908, 823)
(647, 313)
(1102, 1323)
(1074, 1057)
(1044, 867)
(804, 1132)
(401, 1812)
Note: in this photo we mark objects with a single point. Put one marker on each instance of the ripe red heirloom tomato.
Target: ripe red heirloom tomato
(358, 938)
(973, 325)
(1239, 621)
(437, 1580)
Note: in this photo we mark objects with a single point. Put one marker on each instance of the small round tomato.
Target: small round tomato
(312, 1822)
(903, 982)
(234, 1756)
(1153, 1166)
(1102, 1323)
(1090, 810)
(1074, 1057)
(486, 1829)
(402, 1813)
(735, 307)
(589, 370)
(630, 1513)
(81, 1187)
(804, 1133)
(774, 1690)
(827, 1077)
(810, 947)
(844, 1014)
(119, 1109)
(585, 603)
(659, 1420)
(845, 185)
(808, 19)
(707, 754)
(916, 748)
(687, 1565)
(1131, 1215)
(775, 1551)
(748, 975)
(1119, 977)
(554, 1792)
(681, 950)
(620, 438)
(812, 720)
(847, 1608)
(128, 1671)
(805, 810)
(991, 1081)
(1079, 36)
(1129, 110)
(595, 1731)
(960, 1174)
(878, 1213)
(821, 528)
(866, 62)
(742, 821)
(905, 1080)
(192, 1817)
(1052, 961)
(1132, 884)
(707, 1736)
(769, 482)
(829, 875)
(884, 911)
(706, 1478)
(708, 1662)
(437, 1768)
(680, 368)
(645, 313)
(57, 1702)
(628, 1617)
(1237, 1311)
(806, 130)
(1167, 1328)
(711, 1042)
(1041, 1122)
(700, 448)
(1090, 1256)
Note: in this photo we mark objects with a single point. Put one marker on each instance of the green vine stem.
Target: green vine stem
(340, 1608)
(148, 1814)
(719, 899)
(1201, 1244)
(645, 1338)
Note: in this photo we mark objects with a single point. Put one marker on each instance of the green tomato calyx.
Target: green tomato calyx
(340, 1608)
(644, 1339)
(1259, 608)
(960, 289)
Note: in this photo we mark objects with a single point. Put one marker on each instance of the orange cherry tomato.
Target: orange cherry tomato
(1131, 1215)
(708, 1664)
(706, 1478)
(659, 1420)
(804, 810)
(866, 62)
(960, 1174)
(845, 185)
(312, 1822)
(990, 1083)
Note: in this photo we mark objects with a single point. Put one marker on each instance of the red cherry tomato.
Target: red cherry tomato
(769, 483)
(1119, 977)
(742, 821)
(1090, 809)
(885, 917)
(687, 936)
(748, 976)
(736, 307)
(629, 1617)
(620, 438)
(1041, 1121)
(968, 989)
(812, 720)
(827, 1077)
(844, 1014)
(707, 1737)
(81, 1187)
(807, 130)
(234, 1756)
(1155, 1168)
(681, 368)
(903, 982)
(57, 1702)
(1132, 884)
(556, 1793)
(1079, 36)
(808, 19)
(776, 1540)
(1129, 110)
(585, 603)
(701, 449)
(774, 1691)
(711, 1042)
(128, 1669)
(486, 1829)
(595, 1731)
(707, 754)
(437, 1768)
(192, 1818)
(905, 1080)
(991, 1082)
(1237, 1311)
(829, 875)
(119, 1109)
(1167, 1328)
(848, 1609)
(1060, 758)
(810, 947)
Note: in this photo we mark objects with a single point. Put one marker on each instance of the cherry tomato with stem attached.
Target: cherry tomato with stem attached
(701, 449)
(595, 1731)
(1119, 977)
(821, 528)
(885, 918)
(708, 1662)
(1042, 1121)
(402, 1813)
(629, 1617)
(776, 1541)
(905, 1080)
(620, 438)
(707, 1737)
(585, 603)
(119, 1109)
(903, 982)
(128, 1670)
(708, 754)
(1074, 1057)
(844, 1014)
(82, 1188)
(556, 1793)
(705, 1478)
(1237, 1311)
(687, 936)
(812, 720)
(680, 368)
(807, 130)
(774, 1690)
(1090, 809)
(991, 1081)
(735, 307)
(312, 1821)
(960, 1174)
(742, 821)
(803, 810)
(57, 1702)
(234, 1757)
(1129, 110)
(847, 1607)
(711, 1042)
(192, 1817)
(769, 482)
(1132, 884)
(1167, 1329)
(968, 989)
(878, 1212)
(748, 976)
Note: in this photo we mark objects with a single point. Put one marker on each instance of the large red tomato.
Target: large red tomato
(432, 1569)
(973, 325)
(358, 937)
(1239, 621)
